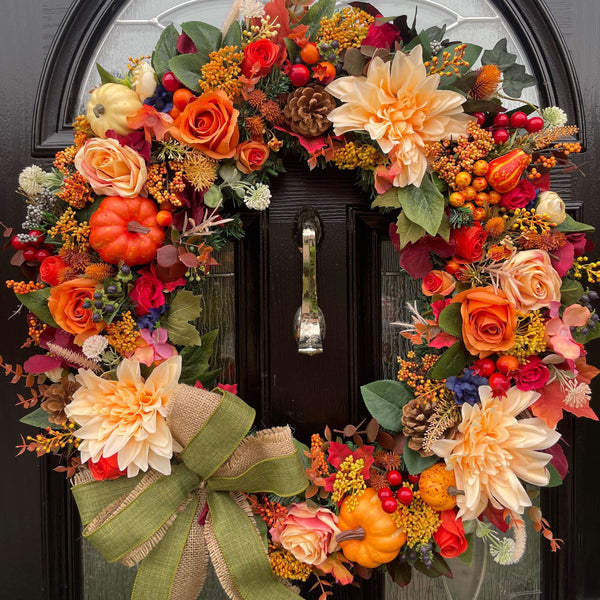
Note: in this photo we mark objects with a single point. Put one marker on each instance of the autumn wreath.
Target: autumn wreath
(117, 236)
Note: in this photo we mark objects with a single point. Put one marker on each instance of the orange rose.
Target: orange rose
(251, 156)
(209, 124)
(65, 304)
(438, 283)
(489, 320)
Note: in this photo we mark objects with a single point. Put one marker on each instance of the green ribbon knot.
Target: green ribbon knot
(153, 519)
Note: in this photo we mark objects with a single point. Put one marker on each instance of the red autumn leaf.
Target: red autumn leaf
(550, 406)
(443, 340)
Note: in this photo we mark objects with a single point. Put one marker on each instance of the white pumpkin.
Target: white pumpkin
(109, 107)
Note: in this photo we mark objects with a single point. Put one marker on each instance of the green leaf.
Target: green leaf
(210, 379)
(499, 56)
(106, 77)
(570, 291)
(313, 16)
(592, 334)
(38, 418)
(452, 362)
(185, 307)
(515, 80)
(166, 49)
(555, 479)
(384, 399)
(408, 231)
(85, 214)
(187, 68)
(195, 359)
(206, 37)
(439, 567)
(233, 37)
(422, 40)
(387, 200)
(444, 230)
(415, 463)
(472, 53)
(467, 555)
(570, 225)
(301, 449)
(37, 303)
(451, 320)
(423, 205)
(354, 61)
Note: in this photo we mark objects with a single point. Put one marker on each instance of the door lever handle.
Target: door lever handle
(309, 321)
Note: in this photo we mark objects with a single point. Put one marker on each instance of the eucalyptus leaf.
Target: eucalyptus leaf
(415, 463)
(185, 307)
(384, 399)
(194, 359)
(452, 362)
(354, 61)
(451, 320)
(37, 303)
(166, 49)
(570, 291)
(38, 418)
(423, 205)
(188, 68)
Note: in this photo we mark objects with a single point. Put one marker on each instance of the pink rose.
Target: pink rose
(533, 375)
(382, 36)
(438, 283)
(520, 196)
(308, 533)
(147, 293)
(111, 169)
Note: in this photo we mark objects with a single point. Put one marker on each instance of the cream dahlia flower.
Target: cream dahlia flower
(494, 449)
(401, 108)
(126, 417)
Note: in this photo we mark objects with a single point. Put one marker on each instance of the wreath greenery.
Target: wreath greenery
(118, 234)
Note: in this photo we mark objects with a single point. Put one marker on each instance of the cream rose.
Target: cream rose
(529, 281)
(111, 169)
(144, 81)
(551, 204)
(308, 533)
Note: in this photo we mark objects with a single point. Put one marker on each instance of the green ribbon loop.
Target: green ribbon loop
(124, 516)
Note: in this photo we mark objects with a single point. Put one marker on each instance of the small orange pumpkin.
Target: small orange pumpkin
(125, 230)
(505, 171)
(435, 485)
(369, 537)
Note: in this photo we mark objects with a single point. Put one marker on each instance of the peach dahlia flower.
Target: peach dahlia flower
(494, 449)
(126, 417)
(401, 108)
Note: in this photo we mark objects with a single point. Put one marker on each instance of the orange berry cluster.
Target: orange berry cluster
(165, 180)
(76, 191)
(23, 287)
(35, 328)
(316, 443)
(450, 63)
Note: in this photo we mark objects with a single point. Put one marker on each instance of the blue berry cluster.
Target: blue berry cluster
(466, 387)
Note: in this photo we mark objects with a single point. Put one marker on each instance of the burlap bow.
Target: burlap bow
(159, 520)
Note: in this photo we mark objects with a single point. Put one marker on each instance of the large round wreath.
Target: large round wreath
(118, 235)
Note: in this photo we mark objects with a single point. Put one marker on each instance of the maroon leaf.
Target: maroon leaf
(167, 256)
(40, 363)
(559, 460)
(17, 258)
(399, 441)
(372, 430)
(189, 260)
(385, 440)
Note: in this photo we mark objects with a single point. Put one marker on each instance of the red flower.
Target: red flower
(469, 242)
(520, 196)
(147, 293)
(259, 58)
(533, 375)
(450, 535)
(106, 468)
(50, 268)
(382, 36)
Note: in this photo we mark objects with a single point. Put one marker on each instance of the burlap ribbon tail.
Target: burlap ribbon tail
(161, 522)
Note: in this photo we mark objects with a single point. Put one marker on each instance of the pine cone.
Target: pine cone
(307, 109)
(57, 396)
(415, 418)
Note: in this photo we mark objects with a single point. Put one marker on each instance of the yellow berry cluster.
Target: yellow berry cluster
(55, 441)
(348, 28)
(450, 63)
(352, 156)
(123, 334)
(134, 62)
(74, 235)
(64, 158)
(530, 336)
(23, 287)
(164, 181)
(222, 71)
(591, 270)
(349, 480)
(266, 30)
(81, 130)
(529, 220)
(419, 520)
(286, 565)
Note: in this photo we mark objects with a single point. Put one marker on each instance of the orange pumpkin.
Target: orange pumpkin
(505, 171)
(435, 485)
(370, 536)
(125, 230)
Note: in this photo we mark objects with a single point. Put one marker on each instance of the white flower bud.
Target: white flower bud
(551, 204)
(144, 81)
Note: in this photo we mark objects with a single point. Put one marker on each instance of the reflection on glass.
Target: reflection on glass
(104, 581)
(500, 582)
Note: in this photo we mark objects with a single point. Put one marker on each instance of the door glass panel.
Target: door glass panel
(521, 581)
(104, 581)
(138, 26)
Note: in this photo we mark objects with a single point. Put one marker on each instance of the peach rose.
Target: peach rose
(112, 169)
(209, 124)
(251, 156)
(65, 304)
(438, 283)
(308, 533)
(489, 320)
(529, 280)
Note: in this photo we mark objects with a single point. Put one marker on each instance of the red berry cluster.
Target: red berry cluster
(389, 498)
(34, 251)
(502, 122)
(498, 372)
